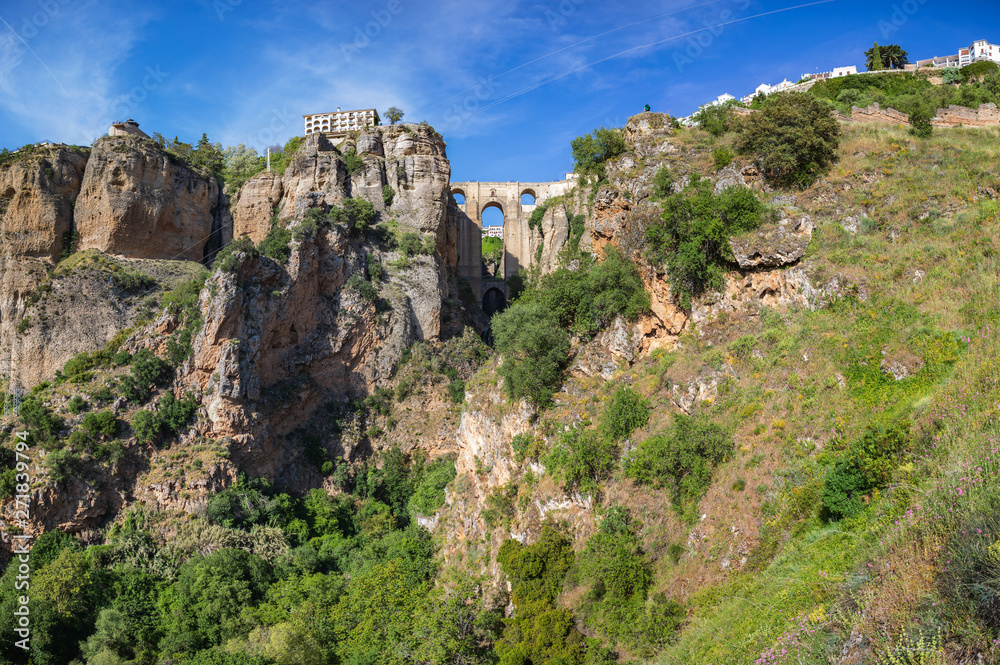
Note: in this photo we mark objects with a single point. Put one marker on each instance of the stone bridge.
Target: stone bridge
(517, 236)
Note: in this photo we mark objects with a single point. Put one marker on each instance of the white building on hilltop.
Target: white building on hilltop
(493, 231)
(836, 73)
(979, 51)
(340, 122)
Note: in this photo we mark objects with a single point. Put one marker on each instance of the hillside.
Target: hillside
(728, 420)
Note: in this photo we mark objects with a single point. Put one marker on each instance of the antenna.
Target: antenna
(269, 159)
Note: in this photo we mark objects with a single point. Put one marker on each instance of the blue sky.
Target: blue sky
(508, 83)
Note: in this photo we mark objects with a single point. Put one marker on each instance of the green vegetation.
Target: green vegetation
(533, 334)
(388, 194)
(691, 239)
(681, 459)
(910, 93)
(592, 151)
(717, 119)
(888, 56)
(539, 631)
(793, 137)
(983, 69)
(276, 244)
(147, 373)
(394, 115)
(493, 253)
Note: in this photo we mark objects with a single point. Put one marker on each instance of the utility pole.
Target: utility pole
(269, 160)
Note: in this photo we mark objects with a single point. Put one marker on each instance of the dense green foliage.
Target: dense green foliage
(793, 137)
(691, 239)
(533, 334)
(620, 576)
(867, 466)
(887, 56)
(539, 631)
(268, 579)
(591, 151)
(983, 69)
(717, 119)
(681, 459)
(627, 412)
(909, 93)
(493, 252)
(147, 373)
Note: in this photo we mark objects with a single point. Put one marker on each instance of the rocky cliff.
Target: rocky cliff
(138, 201)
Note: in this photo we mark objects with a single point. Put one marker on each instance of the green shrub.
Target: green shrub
(103, 423)
(591, 151)
(793, 137)
(411, 244)
(146, 426)
(276, 244)
(307, 228)
(174, 414)
(952, 75)
(44, 425)
(920, 124)
(76, 404)
(628, 411)
(867, 465)
(147, 372)
(980, 69)
(539, 632)
(717, 119)
(742, 347)
(353, 162)
(358, 214)
(681, 459)
(582, 460)
(526, 447)
(692, 235)
(723, 157)
(388, 194)
(535, 220)
(228, 259)
(62, 465)
(663, 183)
(535, 348)
(24, 325)
(587, 299)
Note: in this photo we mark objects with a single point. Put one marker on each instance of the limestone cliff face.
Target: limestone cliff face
(36, 201)
(137, 201)
(409, 158)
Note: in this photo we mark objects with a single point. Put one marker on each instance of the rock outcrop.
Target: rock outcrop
(773, 245)
(138, 201)
(36, 201)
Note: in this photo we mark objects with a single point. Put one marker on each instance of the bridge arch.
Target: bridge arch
(532, 197)
(457, 193)
(494, 300)
(495, 205)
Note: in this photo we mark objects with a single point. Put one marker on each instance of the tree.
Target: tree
(794, 139)
(889, 56)
(873, 58)
(535, 349)
(241, 164)
(394, 115)
(591, 151)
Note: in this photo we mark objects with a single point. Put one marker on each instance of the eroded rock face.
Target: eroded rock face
(774, 245)
(255, 206)
(36, 202)
(136, 201)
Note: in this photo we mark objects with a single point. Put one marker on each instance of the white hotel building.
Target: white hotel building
(978, 51)
(340, 122)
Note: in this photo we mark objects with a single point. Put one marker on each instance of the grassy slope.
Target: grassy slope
(919, 283)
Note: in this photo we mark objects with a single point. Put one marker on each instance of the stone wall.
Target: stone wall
(987, 115)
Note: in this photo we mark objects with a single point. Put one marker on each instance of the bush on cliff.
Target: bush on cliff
(535, 349)
(591, 151)
(794, 139)
(692, 236)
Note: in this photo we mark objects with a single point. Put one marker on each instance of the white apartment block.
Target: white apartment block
(979, 50)
(340, 122)
(494, 231)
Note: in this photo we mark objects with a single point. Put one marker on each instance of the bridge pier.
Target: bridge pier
(519, 243)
